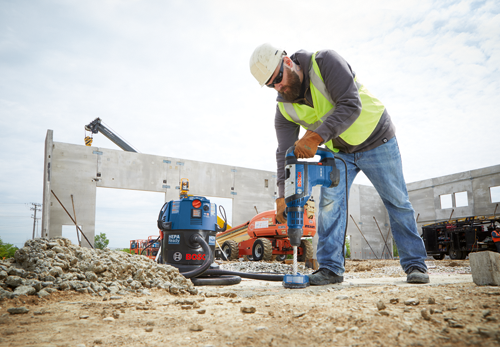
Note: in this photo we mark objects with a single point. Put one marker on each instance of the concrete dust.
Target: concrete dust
(373, 307)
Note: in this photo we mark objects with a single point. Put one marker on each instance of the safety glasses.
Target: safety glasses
(278, 78)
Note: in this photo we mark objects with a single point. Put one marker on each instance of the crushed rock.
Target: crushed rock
(263, 267)
(44, 266)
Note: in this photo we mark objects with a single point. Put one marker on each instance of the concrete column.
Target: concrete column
(46, 183)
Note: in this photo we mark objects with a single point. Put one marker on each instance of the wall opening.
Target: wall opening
(69, 232)
(461, 199)
(125, 215)
(446, 201)
(495, 194)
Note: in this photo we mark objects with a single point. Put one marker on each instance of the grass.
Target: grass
(7, 250)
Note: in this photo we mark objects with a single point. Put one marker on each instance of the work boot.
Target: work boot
(417, 275)
(324, 276)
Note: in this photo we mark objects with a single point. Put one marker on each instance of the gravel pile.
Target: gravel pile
(264, 267)
(44, 266)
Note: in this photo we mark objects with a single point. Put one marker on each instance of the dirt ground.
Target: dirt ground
(371, 308)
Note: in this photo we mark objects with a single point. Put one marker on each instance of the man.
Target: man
(495, 236)
(320, 92)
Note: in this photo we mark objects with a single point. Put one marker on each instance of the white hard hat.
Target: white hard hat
(264, 61)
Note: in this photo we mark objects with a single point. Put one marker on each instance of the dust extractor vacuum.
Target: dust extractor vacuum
(188, 226)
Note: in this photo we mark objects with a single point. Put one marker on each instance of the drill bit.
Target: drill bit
(295, 260)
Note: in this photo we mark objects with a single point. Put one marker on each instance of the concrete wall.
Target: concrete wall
(78, 170)
(372, 219)
(426, 195)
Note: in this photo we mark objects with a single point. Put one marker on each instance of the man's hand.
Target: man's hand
(280, 210)
(307, 146)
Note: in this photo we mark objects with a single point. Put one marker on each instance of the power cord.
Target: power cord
(346, 206)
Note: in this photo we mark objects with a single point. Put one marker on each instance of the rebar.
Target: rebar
(72, 219)
(74, 214)
(385, 242)
(363, 237)
(222, 251)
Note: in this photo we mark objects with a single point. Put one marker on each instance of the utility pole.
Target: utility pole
(36, 207)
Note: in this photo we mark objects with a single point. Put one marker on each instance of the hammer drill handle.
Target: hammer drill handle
(324, 154)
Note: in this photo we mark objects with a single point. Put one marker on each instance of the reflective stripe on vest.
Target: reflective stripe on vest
(311, 118)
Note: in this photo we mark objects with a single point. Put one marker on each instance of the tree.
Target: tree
(7, 250)
(395, 252)
(101, 241)
(347, 247)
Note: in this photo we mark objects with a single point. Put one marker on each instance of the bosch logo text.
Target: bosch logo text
(195, 256)
(299, 179)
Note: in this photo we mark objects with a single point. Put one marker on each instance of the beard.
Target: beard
(293, 87)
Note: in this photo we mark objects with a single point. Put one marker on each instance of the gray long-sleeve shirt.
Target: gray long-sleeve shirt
(339, 80)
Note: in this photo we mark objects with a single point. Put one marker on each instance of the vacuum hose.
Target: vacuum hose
(218, 277)
(197, 239)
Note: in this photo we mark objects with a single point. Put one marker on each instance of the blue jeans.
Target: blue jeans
(382, 165)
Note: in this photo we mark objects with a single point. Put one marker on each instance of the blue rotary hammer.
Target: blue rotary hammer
(301, 176)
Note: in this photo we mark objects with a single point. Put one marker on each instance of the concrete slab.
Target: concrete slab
(249, 287)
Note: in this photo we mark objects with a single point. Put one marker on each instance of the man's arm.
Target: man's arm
(286, 133)
(339, 81)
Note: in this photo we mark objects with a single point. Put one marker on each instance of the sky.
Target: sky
(172, 78)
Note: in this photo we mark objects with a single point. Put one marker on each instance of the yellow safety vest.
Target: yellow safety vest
(312, 117)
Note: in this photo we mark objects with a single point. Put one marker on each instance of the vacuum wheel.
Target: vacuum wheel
(262, 249)
(307, 250)
(231, 250)
(439, 256)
